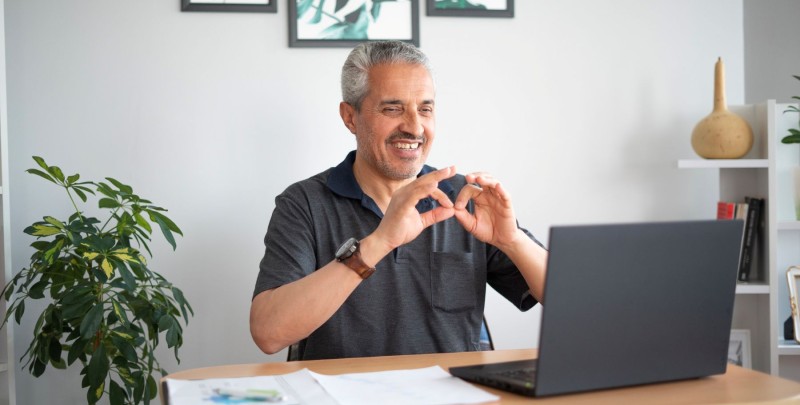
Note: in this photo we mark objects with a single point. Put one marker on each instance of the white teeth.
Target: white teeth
(406, 145)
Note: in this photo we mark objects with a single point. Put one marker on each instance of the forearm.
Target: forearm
(531, 260)
(289, 313)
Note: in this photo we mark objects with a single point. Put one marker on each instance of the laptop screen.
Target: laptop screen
(630, 304)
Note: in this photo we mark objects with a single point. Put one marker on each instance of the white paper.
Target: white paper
(430, 385)
(211, 391)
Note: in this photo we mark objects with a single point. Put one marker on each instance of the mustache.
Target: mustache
(405, 136)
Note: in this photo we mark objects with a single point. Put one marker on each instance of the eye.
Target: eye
(392, 110)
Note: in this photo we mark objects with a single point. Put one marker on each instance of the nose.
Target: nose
(412, 123)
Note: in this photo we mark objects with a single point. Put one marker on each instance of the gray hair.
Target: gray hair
(363, 57)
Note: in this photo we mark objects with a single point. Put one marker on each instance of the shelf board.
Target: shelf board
(788, 347)
(723, 163)
(752, 288)
(789, 225)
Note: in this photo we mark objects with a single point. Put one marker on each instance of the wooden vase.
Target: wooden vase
(722, 134)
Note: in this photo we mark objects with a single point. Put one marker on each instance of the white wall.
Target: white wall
(581, 107)
(772, 50)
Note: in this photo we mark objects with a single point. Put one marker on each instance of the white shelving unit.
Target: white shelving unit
(762, 305)
(7, 361)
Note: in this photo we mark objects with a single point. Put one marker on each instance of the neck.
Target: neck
(377, 186)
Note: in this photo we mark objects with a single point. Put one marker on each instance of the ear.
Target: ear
(348, 114)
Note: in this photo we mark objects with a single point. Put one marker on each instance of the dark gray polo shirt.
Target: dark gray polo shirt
(426, 296)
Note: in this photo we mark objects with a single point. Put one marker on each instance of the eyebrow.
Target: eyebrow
(400, 102)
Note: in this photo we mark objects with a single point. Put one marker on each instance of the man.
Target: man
(382, 254)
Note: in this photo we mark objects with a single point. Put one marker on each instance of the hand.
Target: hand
(402, 223)
(494, 221)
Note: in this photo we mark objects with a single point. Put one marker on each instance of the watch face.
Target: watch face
(347, 249)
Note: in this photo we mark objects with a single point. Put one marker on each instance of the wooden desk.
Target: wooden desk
(738, 385)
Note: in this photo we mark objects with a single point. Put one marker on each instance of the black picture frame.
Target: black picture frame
(432, 11)
(352, 20)
(271, 6)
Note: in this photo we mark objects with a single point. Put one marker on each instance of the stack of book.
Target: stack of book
(749, 212)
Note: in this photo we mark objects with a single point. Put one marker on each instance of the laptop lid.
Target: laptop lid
(630, 304)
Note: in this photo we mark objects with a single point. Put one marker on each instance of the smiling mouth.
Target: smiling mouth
(406, 146)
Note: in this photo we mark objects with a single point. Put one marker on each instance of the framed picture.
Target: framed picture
(471, 8)
(792, 279)
(258, 6)
(739, 348)
(346, 23)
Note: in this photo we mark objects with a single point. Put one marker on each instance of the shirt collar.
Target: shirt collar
(343, 182)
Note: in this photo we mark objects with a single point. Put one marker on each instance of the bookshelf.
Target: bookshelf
(7, 364)
(768, 172)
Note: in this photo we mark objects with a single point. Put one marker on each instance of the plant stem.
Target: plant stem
(74, 205)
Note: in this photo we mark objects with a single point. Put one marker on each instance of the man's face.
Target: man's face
(396, 125)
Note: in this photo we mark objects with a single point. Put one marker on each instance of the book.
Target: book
(750, 212)
(752, 227)
(726, 210)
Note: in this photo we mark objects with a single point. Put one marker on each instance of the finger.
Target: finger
(473, 177)
(435, 215)
(437, 175)
(468, 192)
(467, 220)
(441, 198)
(485, 180)
(422, 187)
(427, 184)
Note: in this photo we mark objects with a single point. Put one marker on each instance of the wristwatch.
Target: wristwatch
(350, 255)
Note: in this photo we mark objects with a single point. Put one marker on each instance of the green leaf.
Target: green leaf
(80, 194)
(107, 267)
(54, 350)
(19, 311)
(165, 323)
(91, 323)
(37, 368)
(164, 223)
(126, 349)
(84, 188)
(43, 230)
(95, 393)
(116, 395)
(72, 179)
(143, 222)
(54, 222)
(76, 351)
(40, 162)
(42, 175)
(98, 367)
(108, 203)
(122, 187)
(56, 172)
(174, 338)
(128, 278)
(58, 363)
(152, 388)
(791, 139)
(37, 290)
(178, 294)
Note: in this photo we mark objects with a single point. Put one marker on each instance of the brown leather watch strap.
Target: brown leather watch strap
(357, 264)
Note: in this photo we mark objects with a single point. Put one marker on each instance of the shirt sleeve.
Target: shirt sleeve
(507, 280)
(289, 243)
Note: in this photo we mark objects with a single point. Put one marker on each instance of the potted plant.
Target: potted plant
(107, 310)
(794, 133)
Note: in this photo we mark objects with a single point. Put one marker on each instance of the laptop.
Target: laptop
(628, 304)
